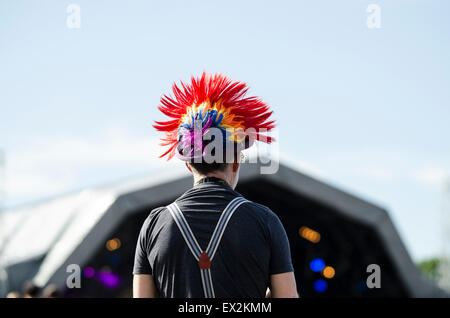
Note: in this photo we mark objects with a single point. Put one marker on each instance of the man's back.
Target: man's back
(253, 247)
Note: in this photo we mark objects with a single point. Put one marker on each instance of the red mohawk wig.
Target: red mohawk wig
(215, 101)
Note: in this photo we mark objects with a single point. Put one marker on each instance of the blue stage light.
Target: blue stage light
(361, 286)
(114, 259)
(317, 265)
(320, 286)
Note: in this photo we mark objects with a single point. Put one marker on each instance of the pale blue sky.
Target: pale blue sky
(365, 109)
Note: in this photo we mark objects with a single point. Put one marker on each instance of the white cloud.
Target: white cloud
(371, 171)
(435, 177)
(56, 164)
(303, 166)
(380, 164)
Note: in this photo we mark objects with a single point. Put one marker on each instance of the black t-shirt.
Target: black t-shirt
(253, 247)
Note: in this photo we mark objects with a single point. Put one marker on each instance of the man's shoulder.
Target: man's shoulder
(154, 215)
(257, 206)
(158, 210)
(259, 209)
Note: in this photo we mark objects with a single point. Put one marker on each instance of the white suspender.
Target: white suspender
(204, 258)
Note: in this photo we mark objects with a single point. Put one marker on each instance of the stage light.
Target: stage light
(320, 286)
(317, 265)
(361, 286)
(328, 272)
(114, 259)
(113, 244)
(109, 279)
(89, 272)
(309, 234)
(105, 269)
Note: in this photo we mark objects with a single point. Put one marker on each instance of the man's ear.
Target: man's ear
(188, 167)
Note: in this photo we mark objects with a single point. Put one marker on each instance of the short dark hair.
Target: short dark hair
(205, 168)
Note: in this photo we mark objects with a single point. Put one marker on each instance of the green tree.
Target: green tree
(430, 268)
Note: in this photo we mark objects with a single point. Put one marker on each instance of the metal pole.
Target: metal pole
(444, 262)
(2, 179)
(3, 273)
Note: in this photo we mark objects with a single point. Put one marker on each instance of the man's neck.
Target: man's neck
(212, 180)
(198, 177)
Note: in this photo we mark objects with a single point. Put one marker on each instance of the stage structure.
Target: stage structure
(335, 237)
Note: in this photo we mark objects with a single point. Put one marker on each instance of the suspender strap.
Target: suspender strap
(221, 225)
(185, 230)
(204, 258)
